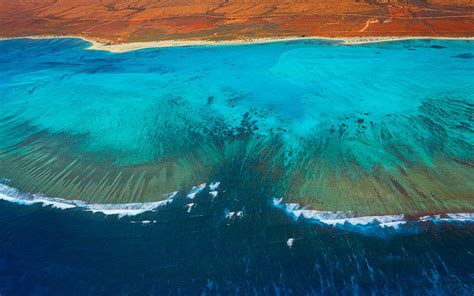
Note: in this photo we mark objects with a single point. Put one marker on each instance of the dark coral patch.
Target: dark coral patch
(464, 56)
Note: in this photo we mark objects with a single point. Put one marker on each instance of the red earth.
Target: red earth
(119, 21)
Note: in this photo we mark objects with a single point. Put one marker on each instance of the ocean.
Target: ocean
(300, 167)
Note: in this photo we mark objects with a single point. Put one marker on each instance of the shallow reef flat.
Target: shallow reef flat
(383, 128)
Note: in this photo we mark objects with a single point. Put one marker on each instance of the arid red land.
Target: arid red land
(119, 21)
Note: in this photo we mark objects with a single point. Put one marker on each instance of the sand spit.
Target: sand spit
(130, 46)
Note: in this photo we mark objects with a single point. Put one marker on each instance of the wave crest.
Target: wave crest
(342, 219)
(11, 194)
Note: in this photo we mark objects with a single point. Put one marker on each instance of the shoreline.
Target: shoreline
(131, 46)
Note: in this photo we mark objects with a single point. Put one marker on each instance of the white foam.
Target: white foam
(195, 190)
(340, 219)
(190, 207)
(144, 222)
(277, 201)
(292, 206)
(395, 224)
(128, 209)
(213, 186)
(290, 242)
(230, 215)
(56, 204)
(171, 195)
(460, 216)
(10, 194)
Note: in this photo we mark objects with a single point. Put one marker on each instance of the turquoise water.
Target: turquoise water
(374, 129)
(383, 127)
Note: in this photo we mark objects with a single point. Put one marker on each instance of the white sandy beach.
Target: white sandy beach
(129, 46)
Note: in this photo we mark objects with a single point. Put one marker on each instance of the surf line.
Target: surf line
(341, 218)
(13, 195)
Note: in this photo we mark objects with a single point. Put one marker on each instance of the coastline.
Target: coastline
(131, 46)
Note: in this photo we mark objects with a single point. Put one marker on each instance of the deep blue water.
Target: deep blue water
(370, 129)
(46, 251)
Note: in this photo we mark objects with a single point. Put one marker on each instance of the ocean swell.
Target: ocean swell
(340, 219)
(11, 194)
(349, 220)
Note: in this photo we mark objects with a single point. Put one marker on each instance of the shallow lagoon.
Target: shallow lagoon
(375, 128)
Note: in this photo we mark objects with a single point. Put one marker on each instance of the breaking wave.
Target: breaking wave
(11, 194)
(339, 219)
(349, 220)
